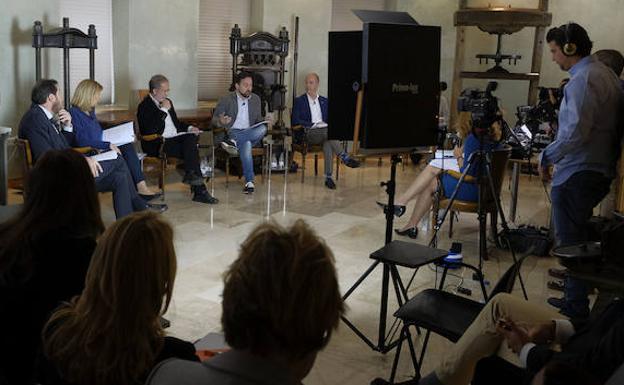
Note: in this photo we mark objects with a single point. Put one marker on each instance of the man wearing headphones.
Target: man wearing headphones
(585, 150)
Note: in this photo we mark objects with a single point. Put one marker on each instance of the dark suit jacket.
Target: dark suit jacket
(151, 121)
(597, 347)
(40, 132)
(301, 113)
(228, 105)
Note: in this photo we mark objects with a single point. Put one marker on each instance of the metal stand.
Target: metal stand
(482, 159)
(383, 344)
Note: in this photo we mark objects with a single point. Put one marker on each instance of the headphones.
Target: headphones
(569, 48)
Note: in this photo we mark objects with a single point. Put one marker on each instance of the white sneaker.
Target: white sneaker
(229, 145)
(249, 188)
(281, 161)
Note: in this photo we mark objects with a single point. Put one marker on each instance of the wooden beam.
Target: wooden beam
(460, 49)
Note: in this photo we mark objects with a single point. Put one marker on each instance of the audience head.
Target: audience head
(464, 127)
(281, 297)
(560, 373)
(611, 58)
(47, 93)
(243, 83)
(159, 87)
(87, 95)
(568, 44)
(111, 333)
(443, 86)
(312, 83)
(59, 198)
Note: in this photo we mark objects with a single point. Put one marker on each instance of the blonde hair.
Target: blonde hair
(87, 94)
(111, 333)
(464, 127)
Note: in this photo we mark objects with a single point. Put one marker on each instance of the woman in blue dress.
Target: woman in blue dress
(426, 183)
(88, 132)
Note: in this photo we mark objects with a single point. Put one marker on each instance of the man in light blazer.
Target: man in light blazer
(239, 113)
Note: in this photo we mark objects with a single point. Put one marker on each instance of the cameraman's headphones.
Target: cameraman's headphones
(569, 48)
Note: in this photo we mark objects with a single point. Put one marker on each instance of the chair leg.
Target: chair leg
(424, 348)
(397, 355)
(315, 164)
(337, 167)
(494, 227)
(451, 220)
(161, 177)
(303, 165)
(410, 343)
(227, 171)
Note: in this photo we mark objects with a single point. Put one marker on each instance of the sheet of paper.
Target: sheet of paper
(120, 134)
(108, 155)
(319, 125)
(444, 154)
(180, 134)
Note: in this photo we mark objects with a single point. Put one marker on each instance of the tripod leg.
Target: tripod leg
(359, 281)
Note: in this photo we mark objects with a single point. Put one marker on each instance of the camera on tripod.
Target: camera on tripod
(483, 107)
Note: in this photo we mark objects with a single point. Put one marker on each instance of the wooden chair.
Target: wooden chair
(160, 161)
(227, 157)
(304, 148)
(499, 158)
(23, 146)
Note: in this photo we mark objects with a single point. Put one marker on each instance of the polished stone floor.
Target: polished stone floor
(208, 237)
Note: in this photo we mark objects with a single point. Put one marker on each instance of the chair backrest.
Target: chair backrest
(499, 159)
(506, 283)
(142, 94)
(24, 146)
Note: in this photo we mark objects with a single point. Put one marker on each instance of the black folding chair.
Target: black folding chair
(444, 313)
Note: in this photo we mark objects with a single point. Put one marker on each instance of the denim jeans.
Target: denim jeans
(573, 203)
(245, 140)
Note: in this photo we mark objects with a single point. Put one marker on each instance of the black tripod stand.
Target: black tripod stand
(383, 344)
(481, 159)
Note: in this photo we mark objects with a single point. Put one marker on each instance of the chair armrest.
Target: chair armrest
(151, 137)
(297, 127)
(457, 175)
(84, 150)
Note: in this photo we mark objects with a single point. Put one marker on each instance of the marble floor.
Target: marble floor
(208, 237)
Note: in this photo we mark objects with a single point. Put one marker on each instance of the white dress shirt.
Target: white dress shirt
(315, 109)
(170, 128)
(50, 115)
(242, 117)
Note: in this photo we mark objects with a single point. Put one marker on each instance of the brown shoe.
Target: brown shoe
(556, 285)
(558, 273)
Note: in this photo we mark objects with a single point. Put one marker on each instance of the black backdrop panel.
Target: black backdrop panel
(401, 69)
(344, 69)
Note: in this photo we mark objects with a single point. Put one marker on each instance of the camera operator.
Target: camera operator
(585, 150)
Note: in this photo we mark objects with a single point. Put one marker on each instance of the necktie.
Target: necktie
(56, 123)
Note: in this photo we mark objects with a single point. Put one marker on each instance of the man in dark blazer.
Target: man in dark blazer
(510, 324)
(156, 115)
(239, 113)
(42, 130)
(310, 112)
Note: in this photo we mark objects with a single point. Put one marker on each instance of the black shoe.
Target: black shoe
(399, 210)
(329, 183)
(412, 232)
(229, 145)
(350, 162)
(157, 207)
(249, 188)
(559, 303)
(150, 197)
(193, 179)
(556, 285)
(204, 197)
(558, 273)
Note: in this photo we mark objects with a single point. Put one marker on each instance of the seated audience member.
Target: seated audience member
(510, 324)
(281, 303)
(612, 59)
(88, 132)
(239, 112)
(44, 255)
(156, 115)
(111, 333)
(41, 128)
(426, 183)
(310, 111)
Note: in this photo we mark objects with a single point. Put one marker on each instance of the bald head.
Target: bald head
(312, 84)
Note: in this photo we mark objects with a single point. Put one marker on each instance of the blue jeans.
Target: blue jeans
(573, 203)
(132, 161)
(245, 139)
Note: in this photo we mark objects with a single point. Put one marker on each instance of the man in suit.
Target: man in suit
(239, 112)
(43, 131)
(310, 111)
(156, 115)
(508, 325)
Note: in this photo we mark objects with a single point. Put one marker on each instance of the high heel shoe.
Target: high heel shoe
(399, 210)
(412, 232)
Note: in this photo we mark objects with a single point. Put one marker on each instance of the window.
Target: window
(344, 20)
(81, 14)
(214, 62)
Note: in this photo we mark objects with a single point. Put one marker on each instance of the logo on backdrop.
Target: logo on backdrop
(400, 88)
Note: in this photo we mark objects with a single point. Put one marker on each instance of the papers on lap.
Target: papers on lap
(254, 126)
(319, 125)
(120, 134)
(108, 155)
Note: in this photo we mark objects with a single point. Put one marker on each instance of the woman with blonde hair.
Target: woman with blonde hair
(426, 183)
(88, 132)
(111, 334)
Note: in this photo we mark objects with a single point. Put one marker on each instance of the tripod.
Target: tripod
(482, 159)
(383, 344)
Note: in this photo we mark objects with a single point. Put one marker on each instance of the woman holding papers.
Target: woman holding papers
(89, 133)
(422, 189)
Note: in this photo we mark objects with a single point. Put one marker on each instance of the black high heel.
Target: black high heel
(399, 210)
(412, 232)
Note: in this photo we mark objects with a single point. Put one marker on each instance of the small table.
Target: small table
(199, 117)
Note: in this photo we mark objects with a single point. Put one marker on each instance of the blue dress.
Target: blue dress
(467, 191)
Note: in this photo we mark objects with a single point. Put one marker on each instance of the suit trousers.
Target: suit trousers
(481, 340)
(116, 177)
(317, 136)
(184, 147)
(132, 162)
